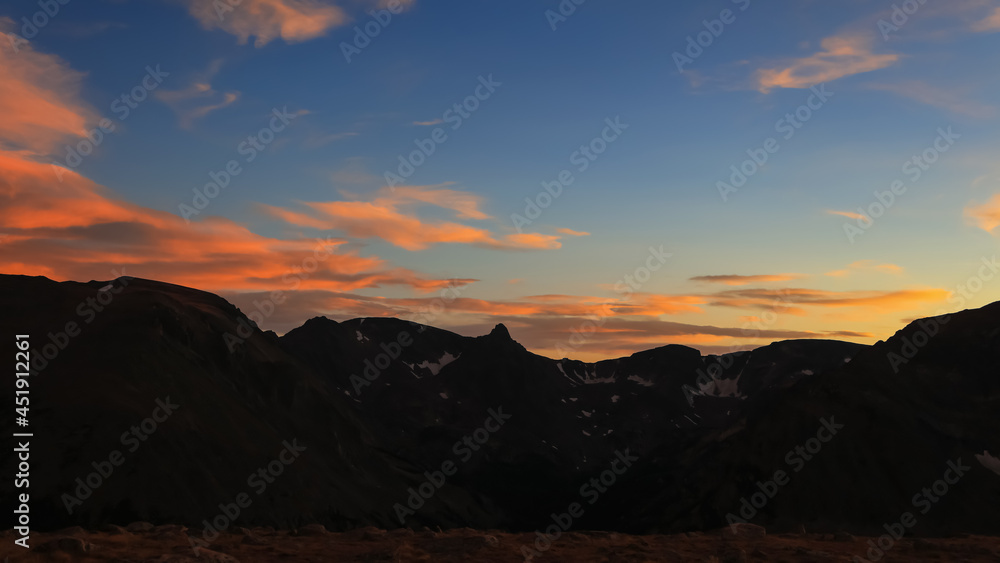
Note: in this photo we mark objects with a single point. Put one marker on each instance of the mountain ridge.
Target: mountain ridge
(380, 403)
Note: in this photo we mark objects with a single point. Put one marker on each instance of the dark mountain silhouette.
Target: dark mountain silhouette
(378, 403)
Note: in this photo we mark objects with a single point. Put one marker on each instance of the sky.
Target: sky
(601, 178)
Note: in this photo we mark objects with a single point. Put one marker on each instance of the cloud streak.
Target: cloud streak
(841, 56)
(733, 279)
(391, 216)
(944, 98)
(198, 99)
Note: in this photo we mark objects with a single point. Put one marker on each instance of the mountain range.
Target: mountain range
(160, 403)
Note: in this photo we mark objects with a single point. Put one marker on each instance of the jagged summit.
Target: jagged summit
(500, 332)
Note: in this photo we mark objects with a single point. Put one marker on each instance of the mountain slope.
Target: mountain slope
(381, 404)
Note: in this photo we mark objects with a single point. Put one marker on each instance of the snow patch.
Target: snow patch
(590, 378)
(436, 367)
(989, 462)
(640, 381)
(585, 433)
(614, 398)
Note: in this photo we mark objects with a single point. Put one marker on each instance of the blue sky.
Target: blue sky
(655, 184)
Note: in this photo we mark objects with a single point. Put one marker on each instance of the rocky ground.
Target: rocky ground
(144, 543)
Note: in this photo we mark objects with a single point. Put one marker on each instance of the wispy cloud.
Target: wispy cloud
(86, 30)
(732, 279)
(841, 55)
(572, 233)
(950, 99)
(316, 141)
(848, 214)
(862, 265)
(990, 23)
(985, 215)
(199, 98)
(428, 123)
(873, 301)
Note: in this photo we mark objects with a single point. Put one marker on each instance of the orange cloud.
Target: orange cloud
(744, 280)
(990, 23)
(842, 55)
(390, 216)
(76, 229)
(293, 21)
(572, 233)
(874, 301)
(986, 215)
(79, 226)
(848, 214)
(39, 98)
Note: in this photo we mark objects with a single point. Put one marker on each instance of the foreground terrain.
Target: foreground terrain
(164, 544)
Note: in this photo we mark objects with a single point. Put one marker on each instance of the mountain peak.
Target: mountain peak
(500, 331)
